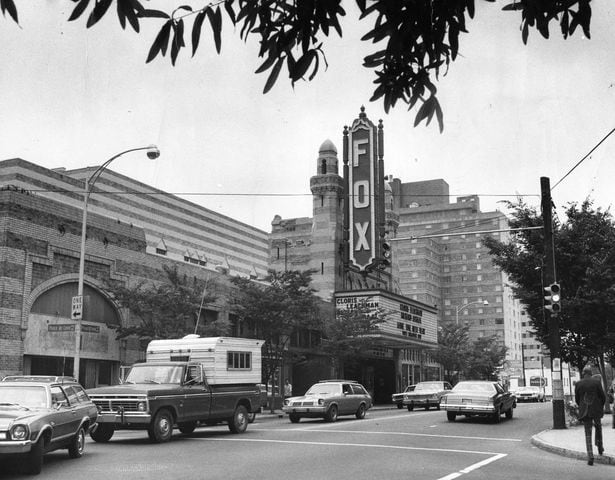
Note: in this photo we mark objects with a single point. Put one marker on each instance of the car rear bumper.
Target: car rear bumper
(469, 409)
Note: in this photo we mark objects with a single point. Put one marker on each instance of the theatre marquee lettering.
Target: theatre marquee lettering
(353, 303)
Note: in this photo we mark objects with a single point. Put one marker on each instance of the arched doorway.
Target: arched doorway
(49, 345)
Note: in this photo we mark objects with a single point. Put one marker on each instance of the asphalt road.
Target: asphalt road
(387, 444)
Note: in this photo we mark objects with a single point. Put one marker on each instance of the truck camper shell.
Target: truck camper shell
(225, 360)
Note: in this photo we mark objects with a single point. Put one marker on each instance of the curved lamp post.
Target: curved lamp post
(459, 309)
(152, 153)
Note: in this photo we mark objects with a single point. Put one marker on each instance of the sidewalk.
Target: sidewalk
(570, 442)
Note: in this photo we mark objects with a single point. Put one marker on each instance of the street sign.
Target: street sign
(77, 307)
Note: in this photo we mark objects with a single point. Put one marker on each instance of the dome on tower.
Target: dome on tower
(327, 146)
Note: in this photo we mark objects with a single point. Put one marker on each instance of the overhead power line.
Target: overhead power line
(583, 159)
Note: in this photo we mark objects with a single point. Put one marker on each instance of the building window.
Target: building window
(239, 361)
(160, 251)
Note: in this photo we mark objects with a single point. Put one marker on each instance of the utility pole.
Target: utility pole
(559, 419)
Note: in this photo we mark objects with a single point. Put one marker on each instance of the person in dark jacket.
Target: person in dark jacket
(590, 397)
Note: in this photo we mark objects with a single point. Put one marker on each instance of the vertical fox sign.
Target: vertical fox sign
(363, 177)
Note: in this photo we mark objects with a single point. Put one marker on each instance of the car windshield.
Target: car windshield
(474, 387)
(155, 374)
(422, 387)
(30, 396)
(528, 389)
(324, 389)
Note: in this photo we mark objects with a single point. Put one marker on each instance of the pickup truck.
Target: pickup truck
(160, 394)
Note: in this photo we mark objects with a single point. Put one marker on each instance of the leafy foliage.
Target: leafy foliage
(453, 350)
(584, 248)
(274, 310)
(417, 38)
(349, 333)
(485, 357)
(166, 309)
(461, 358)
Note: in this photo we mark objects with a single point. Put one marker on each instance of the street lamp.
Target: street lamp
(152, 153)
(460, 308)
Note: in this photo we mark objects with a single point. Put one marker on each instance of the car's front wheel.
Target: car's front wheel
(102, 432)
(161, 429)
(451, 416)
(509, 413)
(410, 407)
(497, 415)
(34, 458)
(294, 418)
(360, 413)
(331, 415)
(400, 405)
(77, 444)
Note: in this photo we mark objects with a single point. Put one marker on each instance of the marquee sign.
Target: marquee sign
(404, 319)
(362, 178)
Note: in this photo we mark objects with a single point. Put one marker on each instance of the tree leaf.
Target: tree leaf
(228, 6)
(78, 10)
(196, 30)
(9, 6)
(273, 76)
(215, 20)
(161, 42)
(98, 12)
(147, 13)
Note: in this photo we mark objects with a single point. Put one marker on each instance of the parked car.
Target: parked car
(529, 394)
(328, 399)
(398, 398)
(39, 414)
(479, 398)
(426, 395)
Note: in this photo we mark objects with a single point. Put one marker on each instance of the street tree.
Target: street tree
(486, 356)
(584, 249)
(349, 333)
(169, 308)
(453, 350)
(275, 309)
(414, 41)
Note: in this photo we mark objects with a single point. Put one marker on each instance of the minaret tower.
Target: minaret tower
(327, 188)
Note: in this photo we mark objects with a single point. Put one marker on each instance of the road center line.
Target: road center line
(473, 467)
(362, 445)
(410, 434)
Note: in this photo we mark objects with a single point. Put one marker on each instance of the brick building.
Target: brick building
(133, 230)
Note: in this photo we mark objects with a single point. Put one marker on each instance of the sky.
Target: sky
(74, 97)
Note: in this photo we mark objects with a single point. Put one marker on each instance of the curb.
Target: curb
(566, 452)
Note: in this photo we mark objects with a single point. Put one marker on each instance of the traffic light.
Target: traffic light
(386, 253)
(553, 298)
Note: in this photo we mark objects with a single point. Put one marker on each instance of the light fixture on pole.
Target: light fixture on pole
(465, 305)
(77, 310)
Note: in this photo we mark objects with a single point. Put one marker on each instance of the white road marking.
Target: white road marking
(363, 445)
(473, 467)
(409, 434)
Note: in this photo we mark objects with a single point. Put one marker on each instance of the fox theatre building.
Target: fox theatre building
(405, 335)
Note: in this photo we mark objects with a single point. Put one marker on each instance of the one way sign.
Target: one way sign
(77, 307)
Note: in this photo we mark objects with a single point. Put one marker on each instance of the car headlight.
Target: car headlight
(19, 432)
(142, 406)
(286, 402)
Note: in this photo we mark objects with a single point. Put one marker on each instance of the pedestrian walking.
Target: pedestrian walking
(288, 389)
(590, 397)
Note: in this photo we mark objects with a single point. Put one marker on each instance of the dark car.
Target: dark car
(479, 398)
(39, 414)
(328, 399)
(426, 395)
(398, 398)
